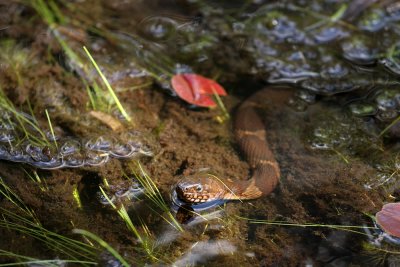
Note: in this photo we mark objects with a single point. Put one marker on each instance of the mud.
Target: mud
(315, 188)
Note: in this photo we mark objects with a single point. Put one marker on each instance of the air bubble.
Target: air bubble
(358, 52)
(122, 150)
(99, 144)
(53, 163)
(329, 34)
(96, 159)
(297, 104)
(373, 21)
(386, 100)
(74, 161)
(386, 115)
(158, 28)
(362, 109)
(6, 136)
(70, 147)
(306, 96)
(36, 153)
(334, 71)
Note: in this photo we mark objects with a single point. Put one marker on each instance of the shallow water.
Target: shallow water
(334, 132)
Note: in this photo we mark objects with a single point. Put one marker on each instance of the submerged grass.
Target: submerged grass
(144, 236)
(157, 203)
(52, 15)
(108, 86)
(153, 194)
(51, 128)
(104, 244)
(394, 122)
(225, 114)
(36, 179)
(348, 228)
(24, 221)
(76, 196)
(30, 261)
(22, 123)
(15, 58)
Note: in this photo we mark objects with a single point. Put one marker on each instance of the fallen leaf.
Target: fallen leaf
(388, 218)
(196, 89)
(107, 119)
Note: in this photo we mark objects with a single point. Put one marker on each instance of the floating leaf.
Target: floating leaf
(196, 89)
(389, 218)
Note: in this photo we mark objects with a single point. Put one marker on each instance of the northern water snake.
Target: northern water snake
(250, 134)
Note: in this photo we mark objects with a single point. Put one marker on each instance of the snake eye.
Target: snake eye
(199, 188)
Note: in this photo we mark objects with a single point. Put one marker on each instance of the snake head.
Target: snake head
(200, 188)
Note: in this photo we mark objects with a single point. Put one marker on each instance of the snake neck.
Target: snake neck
(263, 181)
(250, 134)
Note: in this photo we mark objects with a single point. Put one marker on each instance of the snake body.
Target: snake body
(250, 134)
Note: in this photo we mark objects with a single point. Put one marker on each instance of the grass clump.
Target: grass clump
(153, 194)
(103, 244)
(348, 228)
(108, 86)
(142, 235)
(15, 59)
(157, 205)
(25, 127)
(34, 176)
(24, 220)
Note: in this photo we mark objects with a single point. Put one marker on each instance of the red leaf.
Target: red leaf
(196, 89)
(389, 218)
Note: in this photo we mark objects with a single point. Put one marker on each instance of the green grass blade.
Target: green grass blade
(104, 244)
(108, 86)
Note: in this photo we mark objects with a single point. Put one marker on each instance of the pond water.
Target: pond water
(94, 139)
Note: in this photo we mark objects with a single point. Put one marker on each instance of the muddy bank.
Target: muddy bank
(315, 187)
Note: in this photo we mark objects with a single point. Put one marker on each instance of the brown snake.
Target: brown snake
(250, 135)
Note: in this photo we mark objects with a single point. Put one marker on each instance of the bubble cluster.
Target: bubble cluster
(295, 44)
(384, 105)
(71, 153)
(341, 133)
(53, 152)
(128, 190)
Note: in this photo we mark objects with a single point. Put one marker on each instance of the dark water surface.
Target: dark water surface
(74, 157)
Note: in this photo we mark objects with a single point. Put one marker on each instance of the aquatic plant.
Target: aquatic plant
(348, 228)
(71, 153)
(15, 59)
(52, 15)
(14, 121)
(23, 140)
(51, 128)
(142, 235)
(387, 128)
(30, 261)
(34, 176)
(108, 86)
(104, 244)
(25, 221)
(153, 194)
